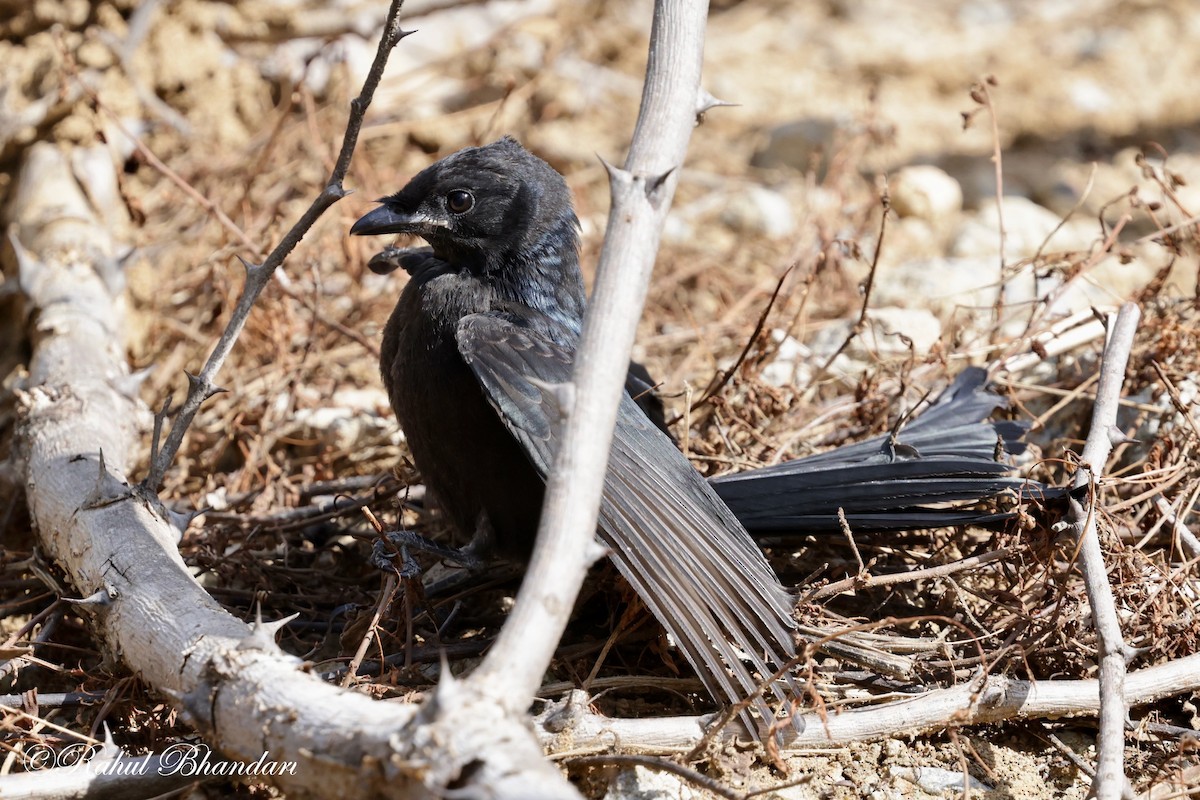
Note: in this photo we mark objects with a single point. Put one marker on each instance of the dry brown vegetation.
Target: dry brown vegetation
(287, 460)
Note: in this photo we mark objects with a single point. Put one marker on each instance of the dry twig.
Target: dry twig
(202, 386)
(1114, 653)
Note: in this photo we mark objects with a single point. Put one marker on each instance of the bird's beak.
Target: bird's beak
(387, 220)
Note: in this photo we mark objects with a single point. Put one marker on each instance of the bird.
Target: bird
(487, 325)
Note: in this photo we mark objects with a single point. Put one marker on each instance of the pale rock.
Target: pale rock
(939, 284)
(925, 192)
(371, 400)
(338, 428)
(1188, 196)
(1089, 96)
(1028, 228)
(217, 499)
(1091, 189)
(747, 210)
(760, 211)
(891, 326)
(889, 332)
(790, 366)
(1109, 282)
(640, 783)
(936, 780)
(413, 85)
(908, 239)
(963, 288)
(353, 417)
(986, 14)
(797, 144)
(976, 176)
(676, 230)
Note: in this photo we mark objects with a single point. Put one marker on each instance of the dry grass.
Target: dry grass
(274, 541)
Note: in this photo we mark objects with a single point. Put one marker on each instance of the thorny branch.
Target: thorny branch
(1052, 342)
(642, 194)
(201, 386)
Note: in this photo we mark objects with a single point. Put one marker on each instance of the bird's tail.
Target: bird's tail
(933, 473)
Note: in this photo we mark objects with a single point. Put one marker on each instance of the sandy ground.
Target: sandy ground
(833, 101)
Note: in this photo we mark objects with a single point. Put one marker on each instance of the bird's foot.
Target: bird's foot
(398, 543)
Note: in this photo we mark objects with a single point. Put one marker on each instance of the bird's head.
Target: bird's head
(481, 207)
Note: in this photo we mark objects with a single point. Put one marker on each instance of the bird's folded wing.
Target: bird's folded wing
(672, 538)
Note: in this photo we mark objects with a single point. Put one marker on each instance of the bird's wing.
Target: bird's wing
(669, 534)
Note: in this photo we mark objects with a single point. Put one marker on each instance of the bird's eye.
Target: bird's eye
(459, 201)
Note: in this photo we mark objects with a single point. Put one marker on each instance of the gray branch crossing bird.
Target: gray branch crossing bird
(487, 324)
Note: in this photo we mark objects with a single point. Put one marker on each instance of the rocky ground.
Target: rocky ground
(1030, 154)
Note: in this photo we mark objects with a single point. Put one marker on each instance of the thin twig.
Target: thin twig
(980, 94)
(1110, 783)
(201, 387)
(372, 633)
(718, 383)
(865, 580)
(1080, 763)
(992, 699)
(1186, 538)
(861, 323)
(844, 524)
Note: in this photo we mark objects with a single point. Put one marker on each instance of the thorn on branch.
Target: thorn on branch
(334, 192)
(262, 634)
(1117, 436)
(655, 184)
(156, 437)
(195, 706)
(616, 175)
(252, 269)
(706, 102)
(101, 597)
(448, 689)
(595, 552)
(109, 749)
(198, 386)
(107, 490)
(180, 520)
(129, 385)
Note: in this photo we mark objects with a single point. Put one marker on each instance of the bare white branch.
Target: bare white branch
(1110, 783)
(570, 727)
(117, 544)
(641, 196)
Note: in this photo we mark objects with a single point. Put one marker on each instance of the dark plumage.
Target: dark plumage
(490, 318)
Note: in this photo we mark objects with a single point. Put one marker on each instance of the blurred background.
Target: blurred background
(1089, 100)
(1039, 163)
